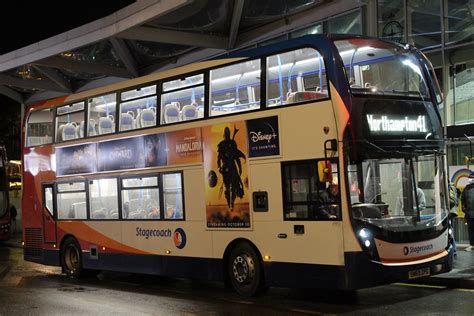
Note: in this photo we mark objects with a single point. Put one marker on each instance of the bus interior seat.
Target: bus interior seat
(147, 117)
(189, 112)
(99, 214)
(106, 125)
(127, 121)
(92, 128)
(137, 214)
(78, 210)
(59, 133)
(171, 112)
(69, 131)
(113, 213)
(301, 96)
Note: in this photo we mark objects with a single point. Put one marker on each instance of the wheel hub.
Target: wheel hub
(243, 269)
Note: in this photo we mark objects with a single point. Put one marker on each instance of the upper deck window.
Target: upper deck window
(39, 130)
(235, 88)
(102, 111)
(296, 76)
(382, 68)
(183, 99)
(70, 122)
(139, 108)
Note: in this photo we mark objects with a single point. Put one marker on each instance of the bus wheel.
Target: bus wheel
(71, 258)
(245, 270)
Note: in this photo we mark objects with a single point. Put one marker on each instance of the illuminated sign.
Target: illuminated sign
(390, 124)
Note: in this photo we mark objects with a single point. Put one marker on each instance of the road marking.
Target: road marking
(465, 290)
(421, 285)
(305, 311)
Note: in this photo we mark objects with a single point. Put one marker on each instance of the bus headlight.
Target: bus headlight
(365, 237)
(363, 233)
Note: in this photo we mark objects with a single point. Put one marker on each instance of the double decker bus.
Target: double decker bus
(316, 162)
(5, 215)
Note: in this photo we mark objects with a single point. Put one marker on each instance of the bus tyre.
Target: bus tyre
(245, 271)
(71, 258)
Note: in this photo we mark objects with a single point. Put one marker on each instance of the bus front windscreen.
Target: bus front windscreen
(376, 67)
(398, 195)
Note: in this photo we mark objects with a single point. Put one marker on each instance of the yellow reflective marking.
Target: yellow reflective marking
(465, 290)
(421, 285)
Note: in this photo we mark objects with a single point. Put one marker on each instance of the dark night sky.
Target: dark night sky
(26, 22)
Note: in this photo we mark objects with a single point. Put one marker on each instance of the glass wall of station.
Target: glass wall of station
(444, 31)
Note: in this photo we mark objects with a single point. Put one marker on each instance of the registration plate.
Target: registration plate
(413, 274)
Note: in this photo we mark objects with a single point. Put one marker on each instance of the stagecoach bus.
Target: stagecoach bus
(315, 162)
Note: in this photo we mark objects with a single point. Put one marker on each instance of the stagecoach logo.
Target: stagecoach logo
(179, 238)
(387, 124)
(263, 137)
(416, 249)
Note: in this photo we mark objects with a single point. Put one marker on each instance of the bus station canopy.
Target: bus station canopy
(145, 37)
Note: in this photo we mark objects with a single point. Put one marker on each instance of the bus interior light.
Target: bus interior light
(168, 252)
(367, 243)
(104, 248)
(266, 258)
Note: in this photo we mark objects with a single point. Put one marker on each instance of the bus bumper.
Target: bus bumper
(361, 272)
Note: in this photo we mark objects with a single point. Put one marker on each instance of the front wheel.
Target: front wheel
(71, 258)
(246, 271)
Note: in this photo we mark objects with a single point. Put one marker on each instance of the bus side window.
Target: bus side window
(305, 196)
(71, 200)
(137, 108)
(183, 99)
(103, 197)
(140, 198)
(48, 200)
(296, 76)
(102, 111)
(173, 196)
(70, 122)
(235, 88)
(39, 129)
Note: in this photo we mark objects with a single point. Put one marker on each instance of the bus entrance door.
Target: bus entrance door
(49, 215)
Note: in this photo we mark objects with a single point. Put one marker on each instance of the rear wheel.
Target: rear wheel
(245, 270)
(71, 258)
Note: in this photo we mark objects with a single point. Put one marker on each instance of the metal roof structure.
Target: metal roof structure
(145, 37)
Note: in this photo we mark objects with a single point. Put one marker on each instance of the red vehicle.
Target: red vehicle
(5, 214)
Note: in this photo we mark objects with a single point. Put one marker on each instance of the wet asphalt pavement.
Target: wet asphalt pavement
(31, 289)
